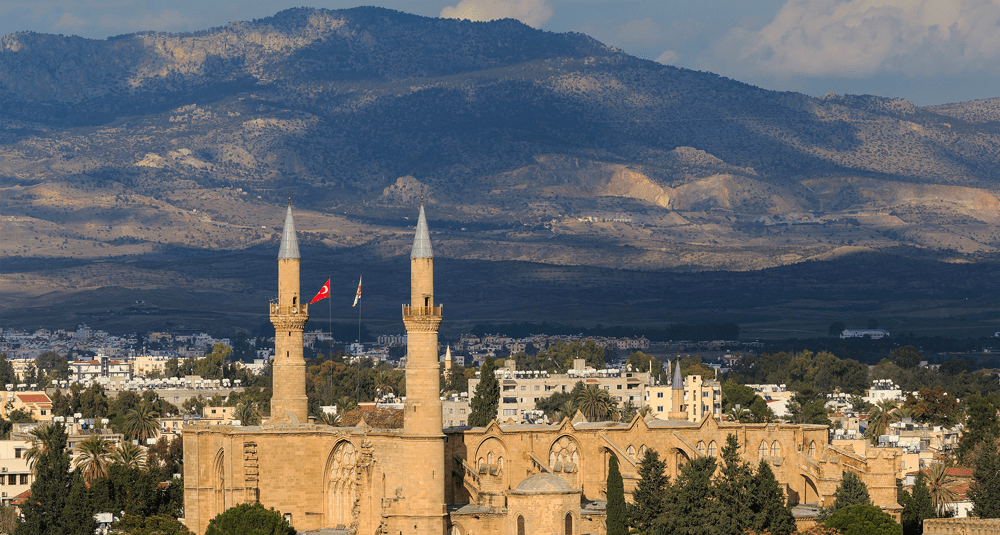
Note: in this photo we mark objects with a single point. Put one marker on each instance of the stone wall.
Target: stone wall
(962, 526)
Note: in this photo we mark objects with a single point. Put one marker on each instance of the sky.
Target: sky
(928, 51)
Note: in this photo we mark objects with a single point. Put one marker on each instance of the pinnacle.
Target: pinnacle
(422, 239)
(289, 244)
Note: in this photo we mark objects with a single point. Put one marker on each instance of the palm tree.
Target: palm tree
(141, 423)
(328, 418)
(93, 457)
(130, 455)
(939, 483)
(901, 413)
(43, 439)
(566, 410)
(879, 419)
(596, 404)
(247, 413)
(345, 404)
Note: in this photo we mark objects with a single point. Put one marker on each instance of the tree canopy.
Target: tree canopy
(246, 519)
(486, 399)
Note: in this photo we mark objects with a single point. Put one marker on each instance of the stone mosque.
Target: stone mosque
(499, 479)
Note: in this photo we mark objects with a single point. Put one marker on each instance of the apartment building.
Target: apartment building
(701, 398)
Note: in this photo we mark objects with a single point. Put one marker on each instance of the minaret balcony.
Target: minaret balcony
(412, 311)
(289, 310)
(421, 319)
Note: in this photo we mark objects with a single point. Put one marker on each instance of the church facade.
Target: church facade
(501, 479)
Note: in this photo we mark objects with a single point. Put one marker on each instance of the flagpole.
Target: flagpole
(330, 306)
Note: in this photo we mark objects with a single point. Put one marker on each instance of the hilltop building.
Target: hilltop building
(519, 478)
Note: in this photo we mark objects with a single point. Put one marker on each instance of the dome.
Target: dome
(543, 484)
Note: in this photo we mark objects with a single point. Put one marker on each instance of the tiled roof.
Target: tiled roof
(34, 398)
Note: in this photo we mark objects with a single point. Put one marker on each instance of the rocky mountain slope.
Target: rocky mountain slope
(529, 146)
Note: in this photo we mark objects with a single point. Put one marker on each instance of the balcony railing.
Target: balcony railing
(295, 309)
(421, 311)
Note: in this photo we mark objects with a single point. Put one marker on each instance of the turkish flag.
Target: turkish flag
(324, 292)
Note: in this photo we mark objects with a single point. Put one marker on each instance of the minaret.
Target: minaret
(425, 479)
(447, 361)
(677, 411)
(289, 316)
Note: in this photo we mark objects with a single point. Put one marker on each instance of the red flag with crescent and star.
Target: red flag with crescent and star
(324, 292)
(357, 296)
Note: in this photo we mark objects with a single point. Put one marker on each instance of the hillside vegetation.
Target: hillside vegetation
(528, 146)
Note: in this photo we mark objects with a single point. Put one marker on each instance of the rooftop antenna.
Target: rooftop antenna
(289, 198)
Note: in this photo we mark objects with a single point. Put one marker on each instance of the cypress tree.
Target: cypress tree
(647, 498)
(78, 515)
(616, 500)
(917, 505)
(733, 490)
(691, 507)
(768, 504)
(43, 510)
(851, 491)
(486, 399)
(985, 488)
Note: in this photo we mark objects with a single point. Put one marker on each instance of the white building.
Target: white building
(875, 334)
(15, 474)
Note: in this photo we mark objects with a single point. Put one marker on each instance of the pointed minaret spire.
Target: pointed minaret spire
(422, 239)
(678, 378)
(289, 244)
(447, 359)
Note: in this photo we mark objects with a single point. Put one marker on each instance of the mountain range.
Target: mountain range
(143, 163)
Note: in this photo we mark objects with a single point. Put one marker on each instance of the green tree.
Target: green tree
(879, 419)
(44, 439)
(129, 455)
(906, 357)
(51, 488)
(93, 402)
(245, 519)
(617, 514)
(753, 408)
(647, 498)
(733, 488)
(933, 406)
(93, 457)
(7, 375)
(690, 504)
(981, 423)
(985, 488)
(939, 484)
(851, 491)
(247, 413)
(917, 506)
(768, 504)
(77, 518)
(486, 400)
(642, 362)
(153, 525)
(596, 404)
(864, 520)
(836, 328)
(141, 423)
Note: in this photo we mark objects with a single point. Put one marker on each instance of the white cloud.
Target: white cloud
(669, 57)
(69, 20)
(534, 13)
(860, 38)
